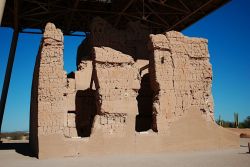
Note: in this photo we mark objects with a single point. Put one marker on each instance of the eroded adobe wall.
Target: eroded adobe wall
(49, 84)
(80, 101)
(115, 55)
(181, 76)
(118, 81)
(112, 94)
(131, 41)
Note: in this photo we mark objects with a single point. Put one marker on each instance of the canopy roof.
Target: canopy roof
(76, 15)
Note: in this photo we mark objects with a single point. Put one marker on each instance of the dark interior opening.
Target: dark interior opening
(85, 111)
(145, 102)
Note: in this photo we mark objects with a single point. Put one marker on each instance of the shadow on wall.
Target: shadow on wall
(145, 103)
(84, 50)
(132, 40)
(85, 111)
(33, 136)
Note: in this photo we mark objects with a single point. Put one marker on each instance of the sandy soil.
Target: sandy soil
(229, 158)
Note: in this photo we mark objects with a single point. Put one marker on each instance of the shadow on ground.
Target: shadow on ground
(246, 146)
(20, 148)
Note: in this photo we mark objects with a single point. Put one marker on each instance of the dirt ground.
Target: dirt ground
(231, 157)
(244, 133)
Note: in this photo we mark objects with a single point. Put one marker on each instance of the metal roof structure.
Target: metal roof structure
(76, 15)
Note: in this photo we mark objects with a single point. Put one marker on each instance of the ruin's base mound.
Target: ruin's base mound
(189, 133)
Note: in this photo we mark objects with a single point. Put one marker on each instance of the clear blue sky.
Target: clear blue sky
(228, 33)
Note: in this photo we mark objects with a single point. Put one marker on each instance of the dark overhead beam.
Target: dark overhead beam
(67, 28)
(189, 15)
(31, 11)
(184, 5)
(158, 13)
(160, 18)
(122, 12)
(9, 64)
(141, 19)
(40, 33)
(43, 13)
(41, 5)
(169, 6)
(43, 22)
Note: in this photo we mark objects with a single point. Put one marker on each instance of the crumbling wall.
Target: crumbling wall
(49, 85)
(131, 41)
(70, 108)
(118, 82)
(115, 72)
(115, 93)
(181, 76)
(80, 100)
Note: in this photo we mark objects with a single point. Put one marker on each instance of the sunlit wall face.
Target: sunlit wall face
(16, 115)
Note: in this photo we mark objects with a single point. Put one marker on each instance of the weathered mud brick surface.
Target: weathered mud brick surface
(51, 83)
(118, 82)
(116, 74)
(48, 87)
(181, 75)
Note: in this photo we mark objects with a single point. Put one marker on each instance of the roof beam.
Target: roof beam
(43, 13)
(122, 12)
(9, 64)
(34, 13)
(43, 22)
(40, 4)
(188, 16)
(160, 18)
(168, 6)
(67, 28)
(184, 5)
(139, 18)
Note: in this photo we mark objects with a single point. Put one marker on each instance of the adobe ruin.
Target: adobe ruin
(133, 92)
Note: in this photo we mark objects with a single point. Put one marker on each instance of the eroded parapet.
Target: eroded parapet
(50, 82)
(181, 75)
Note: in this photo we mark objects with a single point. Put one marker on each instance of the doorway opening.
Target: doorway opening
(144, 119)
(85, 112)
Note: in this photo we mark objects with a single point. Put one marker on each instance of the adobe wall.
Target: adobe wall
(118, 82)
(181, 76)
(132, 93)
(49, 85)
(117, 57)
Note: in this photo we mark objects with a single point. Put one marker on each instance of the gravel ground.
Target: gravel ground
(229, 158)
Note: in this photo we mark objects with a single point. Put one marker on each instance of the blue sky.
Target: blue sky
(226, 29)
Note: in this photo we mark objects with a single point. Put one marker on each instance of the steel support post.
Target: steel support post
(8, 75)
